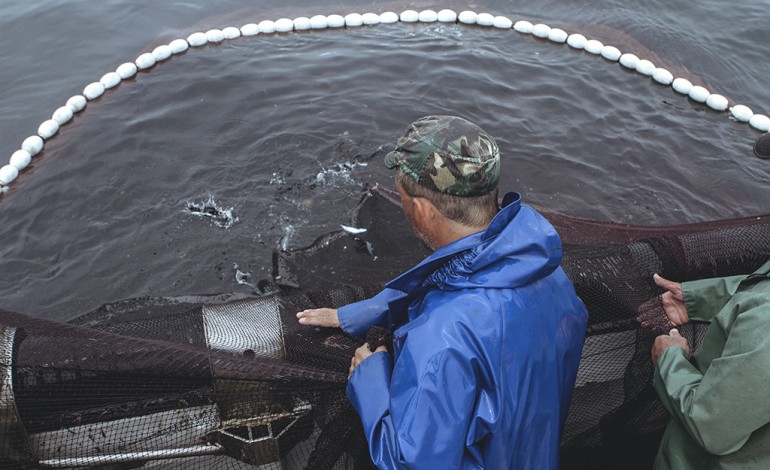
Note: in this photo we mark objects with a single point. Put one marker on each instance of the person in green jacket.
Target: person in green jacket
(718, 400)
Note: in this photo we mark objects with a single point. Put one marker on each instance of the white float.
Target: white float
(302, 23)
(629, 61)
(717, 102)
(110, 80)
(178, 46)
(558, 35)
(316, 22)
(92, 91)
(577, 41)
(62, 115)
(682, 86)
(127, 70)
(409, 16)
(594, 47)
(523, 26)
(21, 159)
(215, 35)
(645, 67)
(388, 17)
(8, 173)
(447, 16)
(760, 122)
(467, 17)
(611, 53)
(699, 94)
(353, 20)
(231, 32)
(370, 19)
(267, 27)
(502, 22)
(284, 25)
(162, 53)
(485, 19)
(197, 39)
(33, 145)
(77, 103)
(48, 129)
(739, 112)
(145, 61)
(252, 29)
(663, 76)
(541, 30)
(427, 16)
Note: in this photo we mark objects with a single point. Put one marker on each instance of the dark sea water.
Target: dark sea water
(289, 129)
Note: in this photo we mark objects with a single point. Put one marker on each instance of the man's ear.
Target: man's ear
(424, 209)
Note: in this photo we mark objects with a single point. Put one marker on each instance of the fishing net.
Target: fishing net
(234, 381)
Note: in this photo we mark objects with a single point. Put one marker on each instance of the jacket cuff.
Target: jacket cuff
(369, 389)
(356, 318)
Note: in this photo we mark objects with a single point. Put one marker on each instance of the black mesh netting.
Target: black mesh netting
(234, 381)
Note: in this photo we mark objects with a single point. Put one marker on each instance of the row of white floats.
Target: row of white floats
(33, 145)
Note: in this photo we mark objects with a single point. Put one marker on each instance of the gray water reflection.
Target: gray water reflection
(278, 127)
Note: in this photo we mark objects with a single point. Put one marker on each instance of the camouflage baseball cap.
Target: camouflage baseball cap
(448, 154)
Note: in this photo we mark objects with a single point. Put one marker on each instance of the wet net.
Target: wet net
(234, 381)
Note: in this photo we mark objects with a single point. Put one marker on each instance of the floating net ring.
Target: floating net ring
(33, 145)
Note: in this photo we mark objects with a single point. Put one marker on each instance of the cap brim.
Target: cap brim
(391, 160)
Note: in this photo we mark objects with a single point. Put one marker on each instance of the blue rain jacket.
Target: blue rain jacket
(487, 344)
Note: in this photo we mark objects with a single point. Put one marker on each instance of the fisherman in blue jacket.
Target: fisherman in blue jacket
(487, 331)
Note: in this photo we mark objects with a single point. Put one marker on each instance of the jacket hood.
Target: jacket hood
(519, 247)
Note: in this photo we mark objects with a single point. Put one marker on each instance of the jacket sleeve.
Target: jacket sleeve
(722, 408)
(358, 317)
(705, 298)
(420, 417)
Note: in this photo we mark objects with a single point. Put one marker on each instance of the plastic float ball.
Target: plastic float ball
(48, 129)
(447, 16)
(215, 35)
(699, 94)
(77, 103)
(231, 32)
(33, 145)
(252, 29)
(62, 115)
(93, 91)
(611, 53)
(409, 16)
(485, 19)
(663, 76)
(629, 61)
(301, 24)
(110, 80)
(740, 113)
(144, 61)
(353, 20)
(197, 39)
(21, 159)
(594, 47)
(682, 85)
(127, 70)
(284, 25)
(717, 102)
(760, 122)
(266, 26)
(162, 53)
(388, 17)
(316, 22)
(427, 16)
(557, 35)
(467, 17)
(178, 46)
(335, 21)
(541, 30)
(524, 27)
(577, 41)
(502, 22)
(645, 67)
(370, 18)
(8, 173)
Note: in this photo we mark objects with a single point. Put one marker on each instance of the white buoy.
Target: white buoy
(447, 16)
(611, 53)
(215, 35)
(682, 86)
(145, 61)
(33, 145)
(760, 122)
(302, 23)
(127, 70)
(92, 91)
(353, 20)
(8, 173)
(557, 35)
(162, 53)
(663, 76)
(178, 46)
(645, 67)
(266, 26)
(577, 41)
(427, 16)
(467, 17)
(231, 32)
(62, 115)
(629, 61)
(541, 30)
(717, 102)
(523, 26)
(284, 25)
(317, 22)
(48, 129)
(197, 39)
(699, 94)
(335, 21)
(594, 47)
(740, 113)
(110, 80)
(485, 19)
(409, 16)
(388, 17)
(252, 29)
(502, 22)
(370, 19)
(77, 103)
(21, 159)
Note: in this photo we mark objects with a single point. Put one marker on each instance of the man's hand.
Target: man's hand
(664, 342)
(672, 300)
(319, 317)
(362, 353)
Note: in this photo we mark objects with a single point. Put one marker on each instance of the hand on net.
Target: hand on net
(319, 317)
(672, 300)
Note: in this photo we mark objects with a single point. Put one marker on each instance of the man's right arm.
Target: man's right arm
(705, 298)
(355, 318)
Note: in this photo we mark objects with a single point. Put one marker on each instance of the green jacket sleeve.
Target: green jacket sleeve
(706, 297)
(721, 408)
